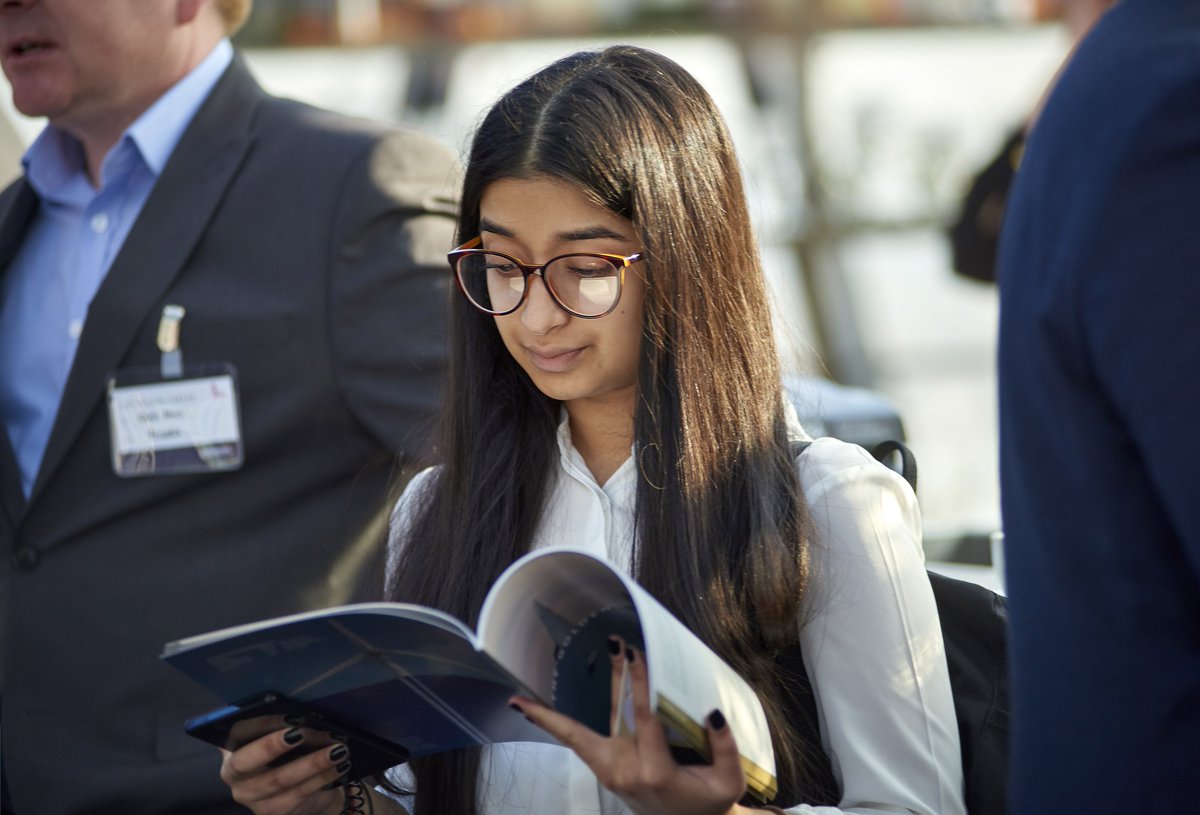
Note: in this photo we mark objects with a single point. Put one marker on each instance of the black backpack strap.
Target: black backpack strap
(886, 451)
(798, 446)
(817, 785)
(975, 630)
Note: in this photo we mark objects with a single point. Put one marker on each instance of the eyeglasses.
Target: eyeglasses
(585, 284)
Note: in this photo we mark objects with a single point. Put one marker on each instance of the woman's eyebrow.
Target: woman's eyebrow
(587, 233)
(487, 226)
(590, 233)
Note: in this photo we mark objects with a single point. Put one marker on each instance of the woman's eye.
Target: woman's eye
(593, 270)
(508, 269)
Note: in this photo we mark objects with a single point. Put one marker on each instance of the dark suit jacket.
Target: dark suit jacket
(309, 252)
(1099, 356)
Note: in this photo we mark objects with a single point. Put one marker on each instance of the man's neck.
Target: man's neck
(100, 134)
(98, 138)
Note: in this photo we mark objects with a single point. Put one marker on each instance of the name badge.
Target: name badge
(182, 424)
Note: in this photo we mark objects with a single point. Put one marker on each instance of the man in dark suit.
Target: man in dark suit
(279, 273)
(1099, 352)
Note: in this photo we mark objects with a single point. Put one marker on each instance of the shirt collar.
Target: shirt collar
(573, 462)
(54, 167)
(158, 130)
(566, 450)
(54, 162)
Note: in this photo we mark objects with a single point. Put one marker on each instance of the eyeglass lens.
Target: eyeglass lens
(586, 285)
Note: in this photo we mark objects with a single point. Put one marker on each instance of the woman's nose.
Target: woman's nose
(540, 314)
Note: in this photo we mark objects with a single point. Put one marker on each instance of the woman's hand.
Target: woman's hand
(294, 788)
(639, 767)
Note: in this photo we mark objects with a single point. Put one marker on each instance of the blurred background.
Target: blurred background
(860, 124)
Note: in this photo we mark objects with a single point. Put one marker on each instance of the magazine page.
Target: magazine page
(548, 619)
(690, 681)
(535, 606)
(429, 615)
(408, 674)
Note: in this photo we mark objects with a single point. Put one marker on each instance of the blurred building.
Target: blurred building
(362, 22)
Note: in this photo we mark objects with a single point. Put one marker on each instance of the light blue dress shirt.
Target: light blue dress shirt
(70, 245)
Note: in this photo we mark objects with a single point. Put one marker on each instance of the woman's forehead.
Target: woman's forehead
(548, 209)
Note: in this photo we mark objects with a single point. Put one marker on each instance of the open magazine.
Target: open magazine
(421, 681)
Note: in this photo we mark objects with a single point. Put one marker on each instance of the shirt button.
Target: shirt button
(26, 557)
(75, 329)
(99, 222)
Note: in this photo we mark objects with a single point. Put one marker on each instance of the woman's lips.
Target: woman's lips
(553, 360)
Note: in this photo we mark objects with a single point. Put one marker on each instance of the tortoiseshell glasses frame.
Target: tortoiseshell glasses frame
(583, 284)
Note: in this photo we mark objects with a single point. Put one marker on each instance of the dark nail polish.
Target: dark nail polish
(343, 768)
(629, 654)
(614, 646)
(717, 720)
(516, 707)
(293, 736)
(294, 719)
(337, 735)
(338, 753)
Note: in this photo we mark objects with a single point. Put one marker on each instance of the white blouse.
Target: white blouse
(871, 641)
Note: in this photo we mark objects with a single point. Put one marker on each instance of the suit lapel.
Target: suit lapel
(12, 499)
(176, 214)
(16, 210)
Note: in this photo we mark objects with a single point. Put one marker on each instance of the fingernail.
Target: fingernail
(516, 707)
(629, 654)
(337, 735)
(343, 767)
(294, 719)
(717, 720)
(614, 646)
(338, 753)
(293, 736)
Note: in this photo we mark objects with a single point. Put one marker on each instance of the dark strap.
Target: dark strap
(816, 783)
(974, 628)
(886, 452)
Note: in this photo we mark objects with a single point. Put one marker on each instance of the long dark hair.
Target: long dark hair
(722, 527)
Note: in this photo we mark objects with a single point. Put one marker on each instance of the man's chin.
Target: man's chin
(37, 93)
(33, 103)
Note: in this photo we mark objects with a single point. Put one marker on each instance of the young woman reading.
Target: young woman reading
(615, 387)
